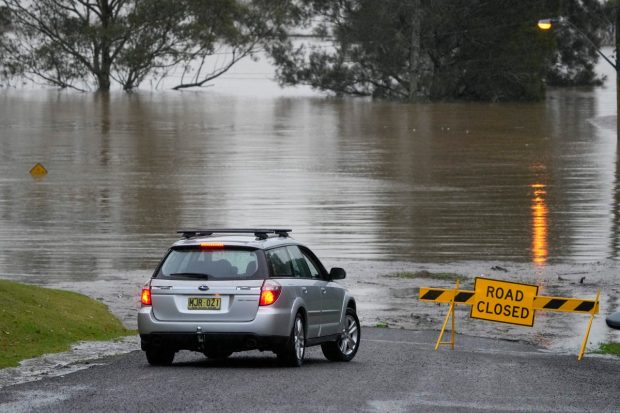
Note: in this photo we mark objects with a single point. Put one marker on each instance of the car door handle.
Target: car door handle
(324, 290)
(304, 290)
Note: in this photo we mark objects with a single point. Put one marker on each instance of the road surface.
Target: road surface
(394, 371)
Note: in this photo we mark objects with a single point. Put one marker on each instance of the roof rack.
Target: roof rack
(261, 233)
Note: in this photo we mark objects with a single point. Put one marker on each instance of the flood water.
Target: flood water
(355, 179)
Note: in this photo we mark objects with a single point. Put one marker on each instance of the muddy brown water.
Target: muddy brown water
(354, 179)
(454, 187)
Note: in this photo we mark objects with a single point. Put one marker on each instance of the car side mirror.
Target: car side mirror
(337, 273)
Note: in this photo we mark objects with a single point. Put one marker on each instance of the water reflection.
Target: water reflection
(539, 225)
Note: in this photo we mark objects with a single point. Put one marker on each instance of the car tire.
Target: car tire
(295, 349)
(217, 354)
(345, 348)
(160, 357)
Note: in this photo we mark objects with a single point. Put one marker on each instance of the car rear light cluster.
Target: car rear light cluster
(269, 292)
(145, 297)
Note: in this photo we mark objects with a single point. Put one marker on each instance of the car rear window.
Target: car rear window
(213, 264)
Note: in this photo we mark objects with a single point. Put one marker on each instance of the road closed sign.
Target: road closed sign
(504, 302)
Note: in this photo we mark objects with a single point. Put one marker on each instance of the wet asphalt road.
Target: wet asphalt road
(394, 371)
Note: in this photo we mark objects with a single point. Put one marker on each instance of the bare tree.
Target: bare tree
(6, 70)
(80, 43)
(244, 31)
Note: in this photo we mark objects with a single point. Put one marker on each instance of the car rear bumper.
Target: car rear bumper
(270, 328)
(212, 341)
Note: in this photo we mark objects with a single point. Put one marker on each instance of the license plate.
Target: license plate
(204, 303)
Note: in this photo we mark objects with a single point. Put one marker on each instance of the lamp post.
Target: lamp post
(547, 24)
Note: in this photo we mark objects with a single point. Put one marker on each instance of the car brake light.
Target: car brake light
(269, 292)
(145, 297)
(212, 245)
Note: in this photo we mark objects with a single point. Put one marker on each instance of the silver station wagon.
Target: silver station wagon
(220, 291)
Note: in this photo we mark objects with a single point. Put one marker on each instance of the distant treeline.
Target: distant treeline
(415, 50)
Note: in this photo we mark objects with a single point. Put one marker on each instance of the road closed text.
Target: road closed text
(508, 310)
(504, 301)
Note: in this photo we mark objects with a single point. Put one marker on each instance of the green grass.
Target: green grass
(446, 276)
(610, 348)
(382, 324)
(35, 321)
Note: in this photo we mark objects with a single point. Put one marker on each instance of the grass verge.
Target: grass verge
(35, 321)
(446, 276)
(610, 348)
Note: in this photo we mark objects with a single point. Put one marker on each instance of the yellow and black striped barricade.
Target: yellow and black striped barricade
(452, 296)
(442, 295)
(506, 302)
(566, 305)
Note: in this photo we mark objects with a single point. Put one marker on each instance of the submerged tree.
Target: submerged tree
(424, 49)
(4, 21)
(72, 43)
(5, 70)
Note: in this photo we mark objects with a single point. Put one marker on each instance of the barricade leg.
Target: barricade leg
(452, 332)
(585, 339)
(445, 322)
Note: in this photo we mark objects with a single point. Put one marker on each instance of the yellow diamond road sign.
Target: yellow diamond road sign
(503, 301)
(38, 170)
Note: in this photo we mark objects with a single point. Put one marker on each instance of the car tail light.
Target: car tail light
(269, 292)
(145, 297)
(212, 245)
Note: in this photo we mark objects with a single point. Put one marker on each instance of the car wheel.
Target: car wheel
(345, 348)
(295, 349)
(160, 357)
(217, 354)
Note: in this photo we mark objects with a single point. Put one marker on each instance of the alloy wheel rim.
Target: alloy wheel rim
(299, 339)
(350, 336)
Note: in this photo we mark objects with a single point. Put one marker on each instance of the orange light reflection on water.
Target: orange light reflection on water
(539, 225)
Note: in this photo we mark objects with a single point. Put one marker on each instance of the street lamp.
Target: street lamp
(544, 24)
(547, 24)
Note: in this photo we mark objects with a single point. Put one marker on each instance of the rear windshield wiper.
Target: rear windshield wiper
(191, 274)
